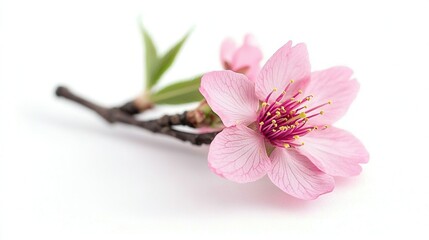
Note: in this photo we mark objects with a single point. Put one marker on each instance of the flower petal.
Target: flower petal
(247, 58)
(231, 95)
(296, 175)
(288, 63)
(227, 51)
(238, 154)
(335, 151)
(332, 84)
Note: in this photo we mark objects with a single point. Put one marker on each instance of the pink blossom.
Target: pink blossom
(281, 124)
(244, 59)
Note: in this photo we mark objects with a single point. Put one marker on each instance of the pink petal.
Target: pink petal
(238, 154)
(296, 175)
(249, 39)
(227, 51)
(247, 57)
(335, 151)
(288, 63)
(231, 95)
(253, 71)
(332, 84)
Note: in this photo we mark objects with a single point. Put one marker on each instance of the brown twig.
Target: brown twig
(130, 108)
(161, 125)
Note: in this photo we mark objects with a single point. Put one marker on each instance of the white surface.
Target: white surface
(65, 174)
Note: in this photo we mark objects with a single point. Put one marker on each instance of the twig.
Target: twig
(161, 125)
(130, 108)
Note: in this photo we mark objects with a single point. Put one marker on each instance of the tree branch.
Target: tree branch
(161, 125)
(130, 108)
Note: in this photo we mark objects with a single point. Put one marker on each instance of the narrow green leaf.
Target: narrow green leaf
(165, 62)
(151, 59)
(179, 93)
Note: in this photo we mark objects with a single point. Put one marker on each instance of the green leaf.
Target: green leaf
(151, 58)
(165, 62)
(179, 93)
(156, 65)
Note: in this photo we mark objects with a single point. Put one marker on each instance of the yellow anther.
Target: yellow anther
(302, 144)
(282, 128)
(325, 127)
(292, 81)
(284, 92)
(274, 130)
(268, 114)
(278, 103)
(274, 89)
(300, 91)
(286, 145)
(292, 126)
(302, 115)
(309, 130)
(273, 121)
(264, 104)
(315, 127)
(283, 109)
(292, 98)
(278, 113)
(305, 106)
(261, 123)
(308, 98)
(330, 102)
(275, 125)
(322, 112)
(296, 137)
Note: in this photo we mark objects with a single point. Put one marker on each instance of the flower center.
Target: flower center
(284, 121)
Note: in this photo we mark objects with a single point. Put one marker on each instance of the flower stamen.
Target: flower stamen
(288, 118)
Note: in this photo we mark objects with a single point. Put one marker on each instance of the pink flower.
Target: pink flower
(244, 59)
(268, 121)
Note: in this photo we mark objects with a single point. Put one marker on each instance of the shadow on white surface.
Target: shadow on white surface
(163, 176)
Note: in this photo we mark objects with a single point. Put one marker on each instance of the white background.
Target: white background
(65, 174)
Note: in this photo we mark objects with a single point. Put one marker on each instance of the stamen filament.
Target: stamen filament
(285, 121)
